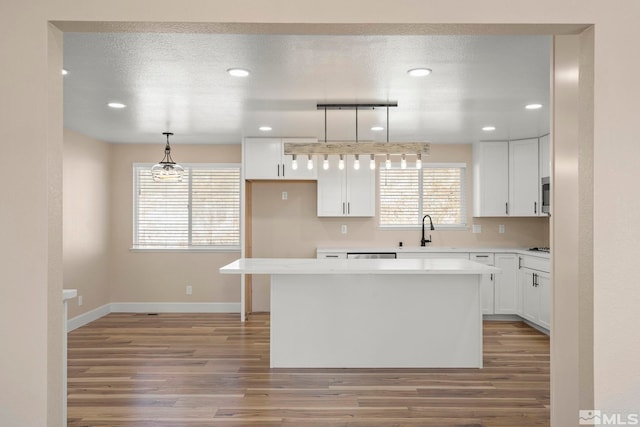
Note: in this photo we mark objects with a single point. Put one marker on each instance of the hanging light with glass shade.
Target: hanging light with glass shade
(167, 170)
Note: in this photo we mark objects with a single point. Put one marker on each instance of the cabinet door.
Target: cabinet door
(544, 291)
(262, 158)
(530, 295)
(487, 294)
(506, 293)
(331, 190)
(524, 183)
(545, 156)
(360, 188)
(491, 178)
(303, 172)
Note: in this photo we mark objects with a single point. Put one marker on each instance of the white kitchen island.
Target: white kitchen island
(372, 313)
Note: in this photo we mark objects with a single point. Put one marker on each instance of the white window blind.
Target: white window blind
(406, 195)
(202, 211)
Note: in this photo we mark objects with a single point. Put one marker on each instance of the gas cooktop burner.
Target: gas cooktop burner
(540, 249)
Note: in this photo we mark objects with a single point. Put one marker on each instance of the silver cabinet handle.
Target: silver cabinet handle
(349, 208)
(278, 169)
(283, 170)
(481, 256)
(519, 262)
(506, 208)
(343, 211)
(535, 207)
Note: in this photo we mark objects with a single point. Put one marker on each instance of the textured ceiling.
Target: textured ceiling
(179, 83)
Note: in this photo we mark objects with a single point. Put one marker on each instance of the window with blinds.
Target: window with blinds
(201, 212)
(406, 195)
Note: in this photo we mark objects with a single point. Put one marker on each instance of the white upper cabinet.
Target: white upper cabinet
(346, 192)
(545, 156)
(524, 183)
(506, 178)
(264, 158)
(491, 178)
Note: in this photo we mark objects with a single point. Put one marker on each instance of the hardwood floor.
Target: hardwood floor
(210, 370)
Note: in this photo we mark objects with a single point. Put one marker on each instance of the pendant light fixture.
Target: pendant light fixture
(167, 170)
(356, 148)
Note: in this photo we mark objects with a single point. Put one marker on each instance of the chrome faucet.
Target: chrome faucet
(423, 241)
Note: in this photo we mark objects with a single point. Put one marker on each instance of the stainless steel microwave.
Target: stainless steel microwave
(546, 195)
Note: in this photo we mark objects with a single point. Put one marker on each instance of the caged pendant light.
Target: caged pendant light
(167, 170)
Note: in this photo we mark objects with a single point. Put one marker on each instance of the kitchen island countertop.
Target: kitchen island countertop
(355, 266)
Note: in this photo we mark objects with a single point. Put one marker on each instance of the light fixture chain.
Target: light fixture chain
(387, 123)
(325, 125)
(356, 124)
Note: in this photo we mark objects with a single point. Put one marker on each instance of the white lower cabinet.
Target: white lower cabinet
(522, 287)
(536, 291)
(544, 288)
(487, 287)
(506, 290)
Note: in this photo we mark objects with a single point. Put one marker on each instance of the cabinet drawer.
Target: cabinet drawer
(431, 255)
(535, 263)
(331, 255)
(482, 257)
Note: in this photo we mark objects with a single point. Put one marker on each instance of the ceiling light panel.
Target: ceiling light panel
(238, 72)
(419, 72)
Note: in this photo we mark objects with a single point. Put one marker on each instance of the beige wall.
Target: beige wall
(291, 228)
(86, 234)
(31, 117)
(163, 276)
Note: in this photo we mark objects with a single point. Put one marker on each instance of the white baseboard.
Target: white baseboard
(175, 307)
(88, 317)
(152, 307)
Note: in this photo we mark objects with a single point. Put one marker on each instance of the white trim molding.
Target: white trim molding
(175, 307)
(152, 307)
(88, 317)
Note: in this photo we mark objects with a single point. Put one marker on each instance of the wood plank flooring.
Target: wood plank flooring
(210, 370)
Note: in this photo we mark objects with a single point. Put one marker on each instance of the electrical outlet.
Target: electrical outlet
(501, 228)
(284, 195)
(343, 228)
(476, 228)
(80, 300)
(189, 290)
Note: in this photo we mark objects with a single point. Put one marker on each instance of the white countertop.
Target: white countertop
(410, 249)
(355, 266)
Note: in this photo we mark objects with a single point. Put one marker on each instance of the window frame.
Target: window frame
(135, 247)
(425, 165)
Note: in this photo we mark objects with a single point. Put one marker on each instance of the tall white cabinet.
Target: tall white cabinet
(347, 192)
(506, 178)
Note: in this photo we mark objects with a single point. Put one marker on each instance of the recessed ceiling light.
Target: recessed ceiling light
(238, 72)
(377, 128)
(419, 72)
(116, 105)
(64, 72)
(488, 128)
(265, 128)
(533, 106)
